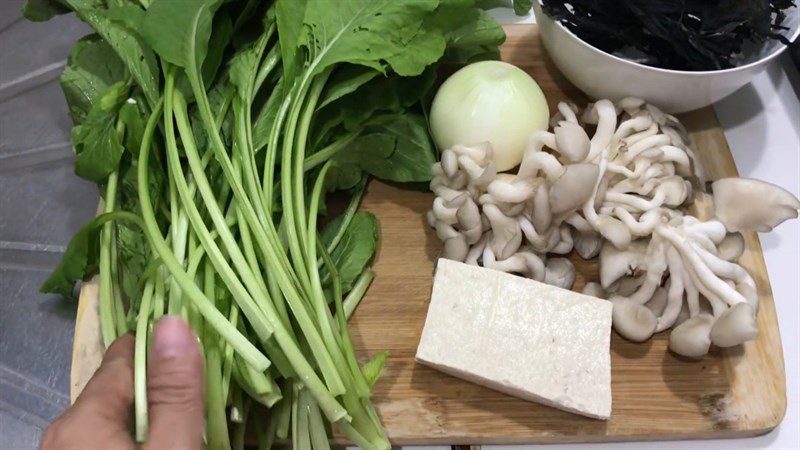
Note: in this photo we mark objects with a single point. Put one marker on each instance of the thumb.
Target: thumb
(175, 387)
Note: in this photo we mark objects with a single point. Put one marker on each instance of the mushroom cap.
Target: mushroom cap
(744, 204)
(731, 247)
(616, 263)
(455, 248)
(572, 141)
(594, 289)
(627, 285)
(559, 272)
(632, 321)
(506, 235)
(691, 337)
(587, 245)
(574, 187)
(614, 231)
(515, 191)
(631, 104)
(735, 326)
(675, 190)
(658, 302)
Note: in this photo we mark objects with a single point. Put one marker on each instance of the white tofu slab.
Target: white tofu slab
(521, 337)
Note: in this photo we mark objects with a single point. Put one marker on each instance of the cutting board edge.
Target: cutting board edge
(589, 439)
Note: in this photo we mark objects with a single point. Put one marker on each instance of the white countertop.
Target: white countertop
(762, 125)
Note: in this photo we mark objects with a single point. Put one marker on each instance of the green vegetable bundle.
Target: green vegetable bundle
(215, 129)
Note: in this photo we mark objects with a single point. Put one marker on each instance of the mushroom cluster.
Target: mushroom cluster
(622, 194)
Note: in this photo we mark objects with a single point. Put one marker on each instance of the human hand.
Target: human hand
(100, 417)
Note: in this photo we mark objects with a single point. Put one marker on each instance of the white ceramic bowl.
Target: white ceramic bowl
(602, 75)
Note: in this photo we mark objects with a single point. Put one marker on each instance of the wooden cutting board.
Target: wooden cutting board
(656, 395)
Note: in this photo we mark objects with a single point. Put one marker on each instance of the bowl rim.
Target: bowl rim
(698, 73)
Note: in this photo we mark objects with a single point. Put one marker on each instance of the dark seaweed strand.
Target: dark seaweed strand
(674, 34)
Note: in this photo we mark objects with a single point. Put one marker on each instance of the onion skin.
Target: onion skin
(489, 101)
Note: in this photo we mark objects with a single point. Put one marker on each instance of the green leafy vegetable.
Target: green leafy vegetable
(373, 368)
(42, 10)
(179, 31)
(93, 66)
(522, 7)
(215, 130)
(138, 58)
(395, 148)
(96, 141)
(356, 246)
(81, 257)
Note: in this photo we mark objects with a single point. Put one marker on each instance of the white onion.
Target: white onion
(489, 101)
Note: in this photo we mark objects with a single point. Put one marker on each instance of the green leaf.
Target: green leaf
(96, 141)
(394, 148)
(80, 259)
(221, 33)
(138, 57)
(244, 65)
(42, 10)
(128, 184)
(522, 7)
(133, 257)
(346, 80)
(179, 31)
(382, 94)
(476, 38)
(134, 117)
(342, 175)
(93, 66)
(372, 369)
(356, 248)
(370, 32)
(134, 254)
(290, 15)
(129, 14)
(266, 116)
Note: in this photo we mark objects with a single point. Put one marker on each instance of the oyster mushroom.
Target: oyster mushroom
(692, 337)
(455, 248)
(731, 247)
(735, 326)
(623, 194)
(506, 234)
(745, 204)
(587, 245)
(632, 320)
(559, 272)
(573, 188)
(616, 263)
(594, 289)
(572, 142)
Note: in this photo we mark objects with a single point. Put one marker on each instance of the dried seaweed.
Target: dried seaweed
(674, 34)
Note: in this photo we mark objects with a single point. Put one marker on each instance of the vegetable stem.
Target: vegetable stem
(329, 152)
(140, 362)
(240, 343)
(357, 293)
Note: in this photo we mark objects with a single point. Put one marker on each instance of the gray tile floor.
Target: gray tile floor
(42, 203)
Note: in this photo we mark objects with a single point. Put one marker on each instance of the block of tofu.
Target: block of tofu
(521, 337)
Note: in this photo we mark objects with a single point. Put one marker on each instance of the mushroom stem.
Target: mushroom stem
(675, 292)
(606, 125)
(718, 287)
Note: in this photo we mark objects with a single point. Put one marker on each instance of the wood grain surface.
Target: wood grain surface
(656, 395)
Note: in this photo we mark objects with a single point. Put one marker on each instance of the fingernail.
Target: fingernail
(172, 337)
